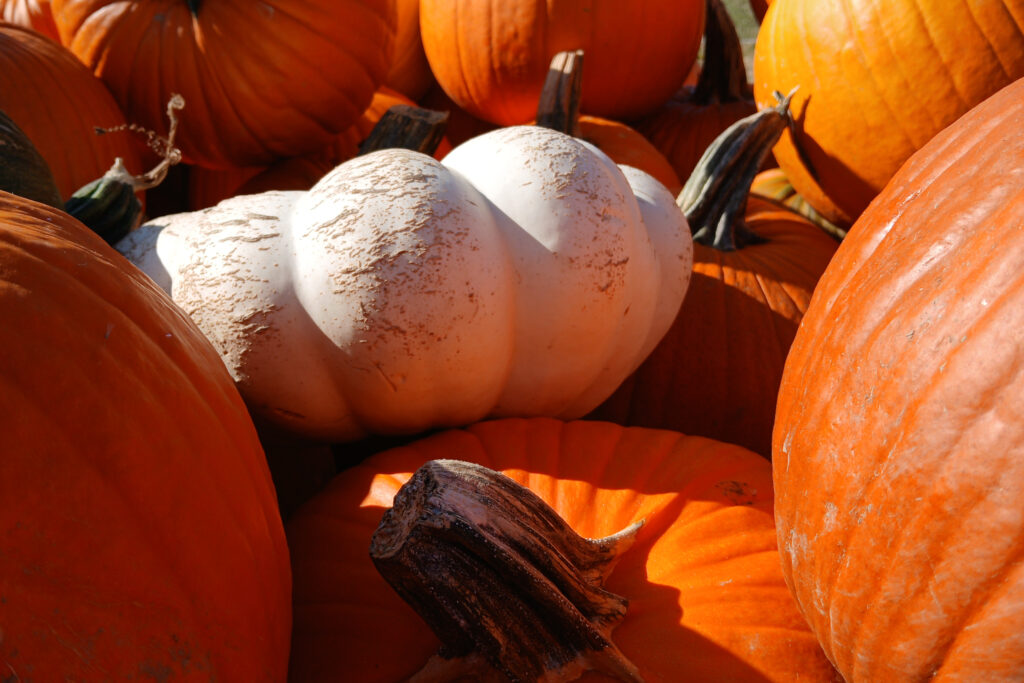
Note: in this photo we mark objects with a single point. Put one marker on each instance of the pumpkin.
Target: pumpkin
(410, 73)
(209, 186)
(759, 8)
(526, 275)
(140, 531)
(491, 56)
(898, 443)
(24, 171)
(875, 86)
(717, 370)
(58, 104)
(706, 596)
(251, 101)
(33, 14)
(683, 127)
(558, 108)
(772, 183)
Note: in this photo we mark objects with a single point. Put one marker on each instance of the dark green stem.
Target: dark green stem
(714, 198)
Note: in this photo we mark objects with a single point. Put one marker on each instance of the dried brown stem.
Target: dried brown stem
(510, 589)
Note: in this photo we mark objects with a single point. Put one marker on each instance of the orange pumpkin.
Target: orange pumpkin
(33, 14)
(626, 145)
(683, 127)
(491, 56)
(410, 73)
(59, 104)
(262, 80)
(140, 531)
(876, 82)
(717, 371)
(899, 443)
(209, 186)
(706, 596)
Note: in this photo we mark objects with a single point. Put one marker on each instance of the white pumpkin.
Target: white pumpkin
(525, 275)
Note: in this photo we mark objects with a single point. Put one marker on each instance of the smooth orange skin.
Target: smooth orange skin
(33, 14)
(706, 595)
(410, 72)
(261, 80)
(899, 442)
(59, 104)
(207, 187)
(625, 145)
(716, 372)
(876, 81)
(682, 129)
(139, 528)
(492, 56)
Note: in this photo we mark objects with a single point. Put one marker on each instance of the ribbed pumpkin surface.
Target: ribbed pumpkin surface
(707, 602)
(491, 56)
(877, 79)
(34, 14)
(899, 443)
(261, 80)
(59, 104)
(716, 372)
(140, 533)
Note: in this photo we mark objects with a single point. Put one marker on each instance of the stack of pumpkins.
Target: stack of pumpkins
(611, 401)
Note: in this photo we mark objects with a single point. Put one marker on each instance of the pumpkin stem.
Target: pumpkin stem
(23, 170)
(407, 127)
(714, 198)
(508, 587)
(723, 76)
(559, 105)
(193, 7)
(109, 205)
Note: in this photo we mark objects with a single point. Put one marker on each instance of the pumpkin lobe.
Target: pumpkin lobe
(503, 581)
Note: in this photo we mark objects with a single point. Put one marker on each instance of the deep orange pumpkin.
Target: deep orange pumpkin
(491, 56)
(625, 145)
(410, 73)
(140, 531)
(899, 443)
(706, 596)
(58, 103)
(262, 80)
(876, 81)
(207, 187)
(716, 372)
(33, 14)
(683, 127)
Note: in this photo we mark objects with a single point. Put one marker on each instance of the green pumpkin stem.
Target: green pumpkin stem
(512, 592)
(723, 75)
(714, 198)
(109, 205)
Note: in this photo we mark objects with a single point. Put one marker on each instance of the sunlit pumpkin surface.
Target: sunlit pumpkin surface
(706, 594)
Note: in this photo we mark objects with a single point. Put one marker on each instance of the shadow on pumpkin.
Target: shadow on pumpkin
(716, 372)
(350, 625)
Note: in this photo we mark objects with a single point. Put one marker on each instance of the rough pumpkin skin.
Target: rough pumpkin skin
(527, 274)
(139, 533)
(899, 440)
(707, 601)
(876, 81)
